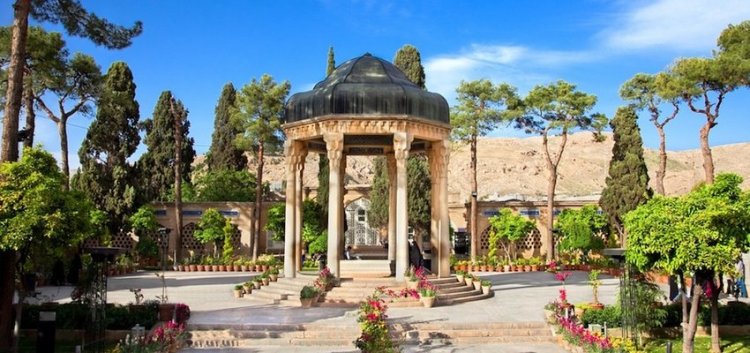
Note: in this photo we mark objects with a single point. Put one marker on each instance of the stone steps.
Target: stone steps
(344, 334)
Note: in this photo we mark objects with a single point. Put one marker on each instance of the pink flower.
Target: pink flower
(562, 276)
(563, 295)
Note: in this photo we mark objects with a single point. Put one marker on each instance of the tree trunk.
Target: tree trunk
(714, 300)
(689, 329)
(258, 201)
(7, 288)
(708, 161)
(473, 217)
(28, 97)
(13, 95)
(177, 182)
(551, 184)
(62, 129)
(661, 168)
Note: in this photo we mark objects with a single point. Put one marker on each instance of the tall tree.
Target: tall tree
(39, 219)
(157, 163)
(556, 108)
(377, 216)
(106, 176)
(258, 115)
(178, 113)
(650, 92)
(78, 22)
(707, 81)
(223, 154)
(734, 41)
(702, 233)
(418, 195)
(45, 57)
(482, 106)
(323, 169)
(80, 82)
(627, 182)
(409, 61)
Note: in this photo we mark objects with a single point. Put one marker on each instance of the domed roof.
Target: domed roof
(367, 85)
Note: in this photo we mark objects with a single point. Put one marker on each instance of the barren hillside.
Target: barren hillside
(516, 166)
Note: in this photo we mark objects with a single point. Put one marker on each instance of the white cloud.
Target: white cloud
(674, 24)
(519, 65)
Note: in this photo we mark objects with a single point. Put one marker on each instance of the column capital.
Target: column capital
(335, 147)
(401, 146)
(440, 153)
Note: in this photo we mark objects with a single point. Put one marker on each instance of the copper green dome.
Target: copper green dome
(367, 86)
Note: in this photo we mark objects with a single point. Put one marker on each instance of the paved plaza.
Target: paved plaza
(519, 297)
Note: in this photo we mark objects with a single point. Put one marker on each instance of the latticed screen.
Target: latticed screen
(189, 242)
(531, 241)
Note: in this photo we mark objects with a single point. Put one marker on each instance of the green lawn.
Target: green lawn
(702, 344)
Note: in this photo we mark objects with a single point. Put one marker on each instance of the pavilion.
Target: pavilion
(367, 106)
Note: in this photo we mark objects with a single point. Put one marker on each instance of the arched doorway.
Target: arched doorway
(359, 232)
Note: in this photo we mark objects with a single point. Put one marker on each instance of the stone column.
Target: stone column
(433, 158)
(441, 197)
(289, 200)
(401, 145)
(335, 148)
(391, 163)
(299, 162)
(342, 212)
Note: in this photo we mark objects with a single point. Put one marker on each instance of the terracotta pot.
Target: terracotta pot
(596, 306)
(237, 268)
(258, 268)
(507, 268)
(514, 268)
(238, 293)
(257, 285)
(428, 302)
(483, 268)
(306, 302)
(534, 268)
(462, 267)
(274, 278)
(243, 268)
(266, 281)
(247, 289)
(165, 312)
(527, 268)
(264, 268)
(181, 268)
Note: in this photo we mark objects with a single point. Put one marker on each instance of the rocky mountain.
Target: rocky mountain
(516, 166)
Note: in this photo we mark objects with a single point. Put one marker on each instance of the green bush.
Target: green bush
(736, 313)
(73, 316)
(610, 314)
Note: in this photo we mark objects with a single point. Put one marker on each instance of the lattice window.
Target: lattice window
(484, 239)
(533, 240)
(123, 240)
(359, 232)
(189, 242)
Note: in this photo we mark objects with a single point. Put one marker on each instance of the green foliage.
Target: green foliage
(735, 40)
(323, 178)
(106, 176)
(157, 163)
(705, 230)
(228, 250)
(210, 227)
(418, 193)
(581, 229)
(627, 182)
(225, 185)
(409, 61)
(320, 244)
(223, 154)
(308, 292)
(507, 226)
(257, 114)
(331, 62)
(644, 306)
(611, 315)
(144, 220)
(147, 248)
(38, 219)
(74, 316)
(312, 221)
(377, 216)
(481, 108)
(275, 220)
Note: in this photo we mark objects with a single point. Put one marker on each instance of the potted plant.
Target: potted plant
(477, 282)
(238, 291)
(412, 281)
(469, 279)
(307, 295)
(506, 266)
(486, 285)
(247, 287)
(257, 281)
(427, 295)
(273, 273)
(594, 282)
(534, 262)
(265, 278)
(460, 276)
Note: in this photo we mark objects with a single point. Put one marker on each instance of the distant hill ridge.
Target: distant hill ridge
(516, 166)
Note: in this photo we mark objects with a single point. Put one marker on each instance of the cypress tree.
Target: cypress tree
(223, 154)
(156, 165)
(418, 193)
(323, 169)
(105, 176)
(377, 216)
(627, 181)
(409, 61)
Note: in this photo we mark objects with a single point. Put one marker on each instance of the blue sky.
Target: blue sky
(193, 48)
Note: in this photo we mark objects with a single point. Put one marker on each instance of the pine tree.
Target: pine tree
(156, 165)
(377, 216)
(106, 176)
(627, 181)
(409, 61)
(223, 154)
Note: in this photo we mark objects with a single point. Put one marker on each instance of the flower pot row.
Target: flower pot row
(223, 268)
(500, 268)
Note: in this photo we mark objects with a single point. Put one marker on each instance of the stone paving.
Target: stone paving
(518, 297)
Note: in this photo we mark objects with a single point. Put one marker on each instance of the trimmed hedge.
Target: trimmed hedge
(74, 316)
(610, 314)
